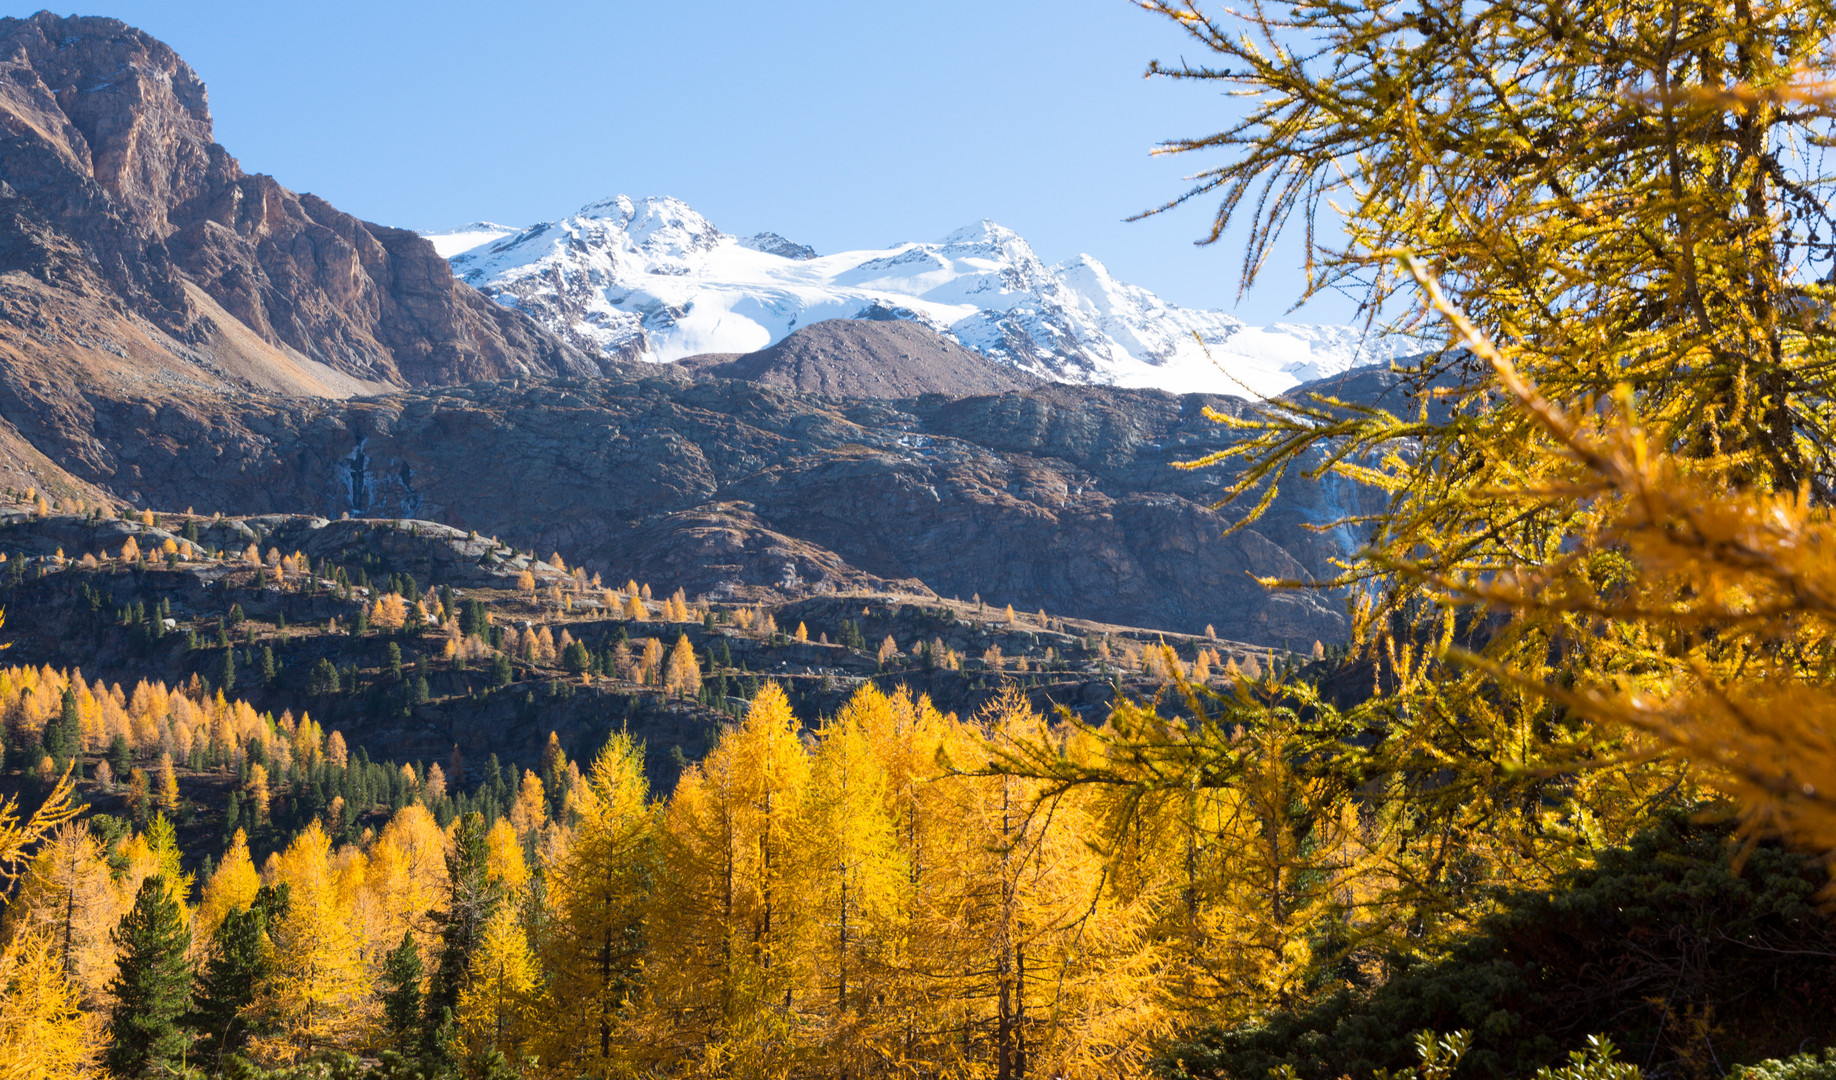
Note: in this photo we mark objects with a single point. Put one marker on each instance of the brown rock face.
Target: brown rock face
(1059, 498)
(115, 193)
(867, 359)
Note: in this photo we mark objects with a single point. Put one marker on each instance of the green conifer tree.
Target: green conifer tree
(63, 736)
(471, 899)
(401, 991)
(231, 978)
(325, 680)
(152, 989)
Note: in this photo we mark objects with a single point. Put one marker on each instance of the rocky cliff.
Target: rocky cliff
(116, 202)
(1057, 497)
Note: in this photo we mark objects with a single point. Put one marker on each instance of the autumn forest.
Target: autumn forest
(284, 797)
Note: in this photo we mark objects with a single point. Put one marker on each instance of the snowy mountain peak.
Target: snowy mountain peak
(653, 279)
(984, 233)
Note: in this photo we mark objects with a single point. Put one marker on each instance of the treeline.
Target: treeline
(897, 892)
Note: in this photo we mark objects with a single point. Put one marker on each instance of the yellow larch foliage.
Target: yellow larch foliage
(802, 633)
(130, 550)
(43, 1033)
(502, 1005)
(634, 608)
(69, 898)
(526, 582)
(390, 612)
(168, 794)
(232, 885)
(504, 862)
(597, 887)
(729, 905)
(436, 783)
(258, 790)
(319, 996)
(650, 662)
(530, 810)
(406, 876)
(857, 879)
(683, 675)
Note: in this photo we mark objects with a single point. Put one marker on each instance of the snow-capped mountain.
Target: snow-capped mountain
(652, 279)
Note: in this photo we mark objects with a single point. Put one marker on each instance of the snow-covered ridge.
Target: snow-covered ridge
(652, 279)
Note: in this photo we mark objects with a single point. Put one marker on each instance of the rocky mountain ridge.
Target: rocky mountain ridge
(1057, 497)
(652, 279)
(866, 359)
(116, 200)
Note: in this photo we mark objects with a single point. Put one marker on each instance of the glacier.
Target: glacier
(652, 279)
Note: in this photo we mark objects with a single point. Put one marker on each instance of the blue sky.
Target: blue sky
(839, 125)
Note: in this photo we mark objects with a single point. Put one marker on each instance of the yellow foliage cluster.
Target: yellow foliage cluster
(1624, 448)
(889, 887)
(153, 718)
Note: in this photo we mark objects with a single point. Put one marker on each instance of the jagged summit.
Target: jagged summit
(177, 266)
(653, 279)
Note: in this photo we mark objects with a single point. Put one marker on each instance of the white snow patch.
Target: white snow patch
(466, 237)
(651, 278)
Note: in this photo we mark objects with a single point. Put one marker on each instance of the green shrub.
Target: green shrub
(1797, 1067)
(1661, 945)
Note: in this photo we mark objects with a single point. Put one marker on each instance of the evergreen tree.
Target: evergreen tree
(472, 619)
(401, 991)
(500, 670)
(63, 736)
(226, 677)
(152, 990)
(325, 680)
(268, 670)
(232, 977)
(471, 899)
(120, 756)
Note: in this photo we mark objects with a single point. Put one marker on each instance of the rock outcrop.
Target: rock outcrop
(1062, 498)
(862, 358)
(114, 196)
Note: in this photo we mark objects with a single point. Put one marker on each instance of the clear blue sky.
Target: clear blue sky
(836, 124)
